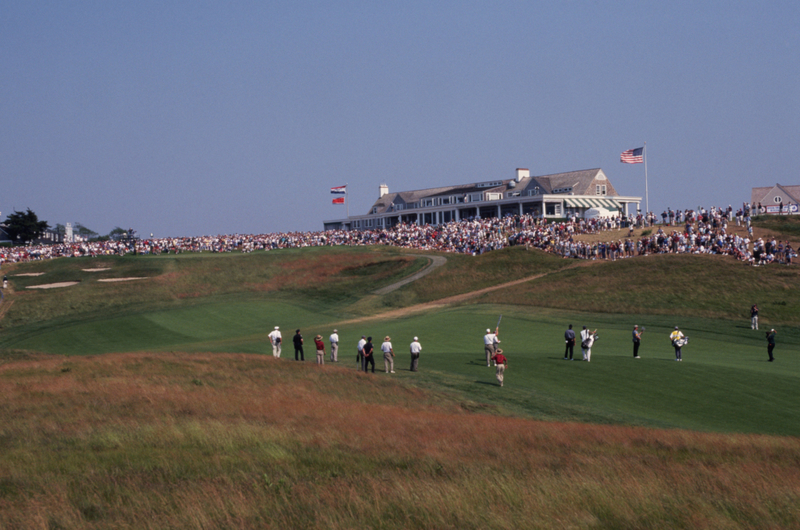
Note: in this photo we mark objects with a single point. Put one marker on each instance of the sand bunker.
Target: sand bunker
(30, 274)
(97, 270)
(52, 285)
(119, 279)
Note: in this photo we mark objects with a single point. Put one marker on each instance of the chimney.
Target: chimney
(522, 173)
(383, 189)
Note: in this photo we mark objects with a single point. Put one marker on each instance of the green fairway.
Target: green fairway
(723, 384)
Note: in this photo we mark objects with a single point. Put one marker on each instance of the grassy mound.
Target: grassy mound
(336, 275)
(680, 285)
(781, 226)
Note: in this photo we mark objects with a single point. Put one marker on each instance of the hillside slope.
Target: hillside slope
(237, 441)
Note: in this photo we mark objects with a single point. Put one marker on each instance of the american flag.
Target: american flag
(632, 156)
(338, 200)
(339, 190)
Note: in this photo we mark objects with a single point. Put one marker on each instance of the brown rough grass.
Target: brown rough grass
(188, 441)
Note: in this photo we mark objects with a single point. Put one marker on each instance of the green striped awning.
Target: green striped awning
(608, 204)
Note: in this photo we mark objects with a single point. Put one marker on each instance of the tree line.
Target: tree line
(24, 227)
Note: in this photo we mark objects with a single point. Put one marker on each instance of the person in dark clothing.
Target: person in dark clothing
(368, 357)
(569, 337)
(771, 343)
(637, 341)
(298, 346)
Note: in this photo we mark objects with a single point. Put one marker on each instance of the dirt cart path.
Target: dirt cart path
(436, 262)
(444, 302)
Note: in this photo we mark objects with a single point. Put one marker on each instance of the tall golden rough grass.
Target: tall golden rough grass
(215, 441)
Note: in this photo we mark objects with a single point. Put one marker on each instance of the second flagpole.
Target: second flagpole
(646, 194)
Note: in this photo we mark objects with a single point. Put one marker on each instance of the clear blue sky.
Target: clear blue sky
(192, 117)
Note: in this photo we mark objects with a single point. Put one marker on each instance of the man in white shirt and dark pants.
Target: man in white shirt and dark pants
(360, 353)
(415, 349)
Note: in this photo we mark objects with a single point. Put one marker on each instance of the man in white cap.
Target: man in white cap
(335, 346)
(489, 344)
(415, 349)
(771, 343)
(275, 339)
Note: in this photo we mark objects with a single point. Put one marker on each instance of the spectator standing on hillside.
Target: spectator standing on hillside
(637, 340)
(771, 343)
(489, 344)
(587, 340)
(275, 339)
(367, 351)
(678, 340)
(334, 346)
(502, 363)
(388, 355)
(360, 353)
(320, 345)
(569, 338)
(298, 346)
(415, 349)
(754, 317)
(5, 282)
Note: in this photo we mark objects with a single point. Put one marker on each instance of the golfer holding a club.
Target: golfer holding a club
(587, 340)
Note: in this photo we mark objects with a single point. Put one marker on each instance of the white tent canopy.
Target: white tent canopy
(597, 213)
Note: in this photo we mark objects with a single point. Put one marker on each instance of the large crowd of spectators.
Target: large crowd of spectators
(698, 231)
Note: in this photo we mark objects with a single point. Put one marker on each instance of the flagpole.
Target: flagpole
(646, 194)
(346, 201)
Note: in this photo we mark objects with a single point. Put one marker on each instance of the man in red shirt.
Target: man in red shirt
(320, 345)
(502, 363)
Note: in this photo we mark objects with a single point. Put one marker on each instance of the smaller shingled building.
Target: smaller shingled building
(776, 199)
(576, 193)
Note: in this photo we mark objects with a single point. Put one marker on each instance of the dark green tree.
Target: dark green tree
(117, 234)
(22, 227)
